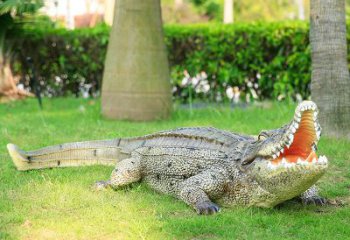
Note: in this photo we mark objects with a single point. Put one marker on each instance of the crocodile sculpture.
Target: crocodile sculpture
(203, 165)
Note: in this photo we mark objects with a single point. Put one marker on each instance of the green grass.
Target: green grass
(60, 204)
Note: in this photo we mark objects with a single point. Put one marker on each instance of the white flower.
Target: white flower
(203, 87)
(229, 92)
(280, 97)
(187, 75)
(184, 81)
(174, 89)
(298, 97)
(85, 94)
(253, 92)
(58, 79)
(20, 86)
(203, 75)
(247, 98)
(258, 76)
(195, 81)
(236, 94)
(206, 88)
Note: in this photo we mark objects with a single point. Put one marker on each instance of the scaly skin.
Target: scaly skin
(203, 165)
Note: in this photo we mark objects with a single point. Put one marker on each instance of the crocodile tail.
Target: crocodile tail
(101, 152)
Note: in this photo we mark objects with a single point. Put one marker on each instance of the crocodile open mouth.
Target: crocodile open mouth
(299, 143)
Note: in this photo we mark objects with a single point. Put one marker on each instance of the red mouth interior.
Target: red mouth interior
(304, 138)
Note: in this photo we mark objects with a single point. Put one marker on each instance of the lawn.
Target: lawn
(60, 203)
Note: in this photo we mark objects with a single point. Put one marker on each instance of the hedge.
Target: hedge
(266, 60)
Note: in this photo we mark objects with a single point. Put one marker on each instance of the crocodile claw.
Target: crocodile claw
(318, 201)
(207, 208)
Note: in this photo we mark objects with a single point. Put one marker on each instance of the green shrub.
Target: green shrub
(64, 61)
(270, 59)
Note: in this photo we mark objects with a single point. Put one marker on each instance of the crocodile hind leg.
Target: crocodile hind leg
(126, 172)
(197, 190)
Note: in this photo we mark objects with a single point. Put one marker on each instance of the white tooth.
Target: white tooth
(318, 133)
(302, 162)
(282, 150)
(314, 160)
(313, 148)
(281, 146)
(293, 129)
(291, 138)
(288, 144)
(299, 162)
(295, 125)
(283, 161)
(297, 114)
(278, 154)
(286, 164)
(274, 156)
(315, 114)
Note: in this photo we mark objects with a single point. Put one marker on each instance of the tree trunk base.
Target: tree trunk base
(8, 88)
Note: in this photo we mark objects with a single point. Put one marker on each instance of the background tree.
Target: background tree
(330, 81)
(228, 11)
(301, 9)
(13, 13)
(252, 10)
(136, 81)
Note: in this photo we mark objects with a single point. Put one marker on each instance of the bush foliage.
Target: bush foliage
(271, 59)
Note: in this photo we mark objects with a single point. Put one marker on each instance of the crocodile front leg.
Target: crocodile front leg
(197, 190)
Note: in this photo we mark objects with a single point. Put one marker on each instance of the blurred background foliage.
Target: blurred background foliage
(263, 60)
(264, 53)
(191, 11)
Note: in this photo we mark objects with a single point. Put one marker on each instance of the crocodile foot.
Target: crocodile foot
(318, 201)
(207, 208)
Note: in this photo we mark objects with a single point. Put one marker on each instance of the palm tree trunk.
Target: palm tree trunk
(330, 81)
(136, 76)
(8, 87)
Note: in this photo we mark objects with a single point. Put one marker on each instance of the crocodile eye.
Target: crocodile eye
(263, 135)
